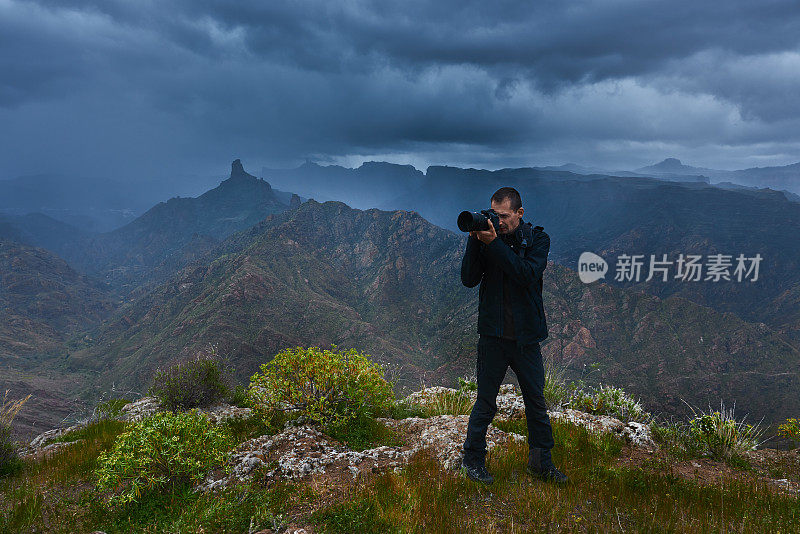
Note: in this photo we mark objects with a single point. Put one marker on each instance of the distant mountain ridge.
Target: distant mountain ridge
(40, 230)
(612, 215)
(673, 166)
(43, 304)
(334, 182)
(364, 187)
(780, 178)
(172, 233)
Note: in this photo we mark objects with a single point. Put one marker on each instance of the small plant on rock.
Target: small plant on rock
(239, 397)
(721, 435)
(457, 402)
(161, 451)
(331, 387)
(109, 409)
(195, 383)
(674, 436)
(790, 429)
(467, 384)
(609, 400)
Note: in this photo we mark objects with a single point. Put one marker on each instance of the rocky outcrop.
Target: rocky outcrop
(219, 413)
(300, 451)
(135, 411)
(509, 402)
(511, 406)
(303, 451)
(444, 436)
(45, 443)
(637, 434)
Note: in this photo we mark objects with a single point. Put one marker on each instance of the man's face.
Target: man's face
(509, 219)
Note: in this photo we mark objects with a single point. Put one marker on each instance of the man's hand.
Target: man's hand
(485, 236)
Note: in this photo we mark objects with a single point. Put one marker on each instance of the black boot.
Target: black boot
(477, 472)
(541, 466)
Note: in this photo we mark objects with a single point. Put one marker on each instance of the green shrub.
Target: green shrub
(365, 432)
(675, 438)
(467, 384)
(330, 387)
(239, 397)
(162, 451)
(9, 460)
(195, 383)
(721, 435)
(790, 429)
(609, 400)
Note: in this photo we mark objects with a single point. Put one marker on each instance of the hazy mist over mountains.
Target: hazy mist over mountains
(103, 204)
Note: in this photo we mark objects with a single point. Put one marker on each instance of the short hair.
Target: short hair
(508, 193)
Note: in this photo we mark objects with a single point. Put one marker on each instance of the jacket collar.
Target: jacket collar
(518, 236)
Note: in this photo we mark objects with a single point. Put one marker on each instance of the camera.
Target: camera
(469, 221)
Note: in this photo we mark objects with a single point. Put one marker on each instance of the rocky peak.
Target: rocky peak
(238, 173)
(669, 163)
(295, 201)
(240, 183)
(237, 169)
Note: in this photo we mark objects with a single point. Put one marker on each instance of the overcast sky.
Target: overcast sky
(148, 88)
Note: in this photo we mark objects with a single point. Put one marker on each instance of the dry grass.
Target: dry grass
(10, 408)
(602, 497)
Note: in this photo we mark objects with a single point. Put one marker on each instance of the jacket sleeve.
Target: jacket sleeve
(472, 265)
(523, 271)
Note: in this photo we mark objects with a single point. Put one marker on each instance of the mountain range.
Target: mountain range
(98, 204)
(615, 215)
(388, 283)
(251, 271)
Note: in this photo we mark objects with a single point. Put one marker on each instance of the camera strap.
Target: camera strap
(522, 236)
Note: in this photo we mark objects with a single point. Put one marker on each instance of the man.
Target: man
(511, 323)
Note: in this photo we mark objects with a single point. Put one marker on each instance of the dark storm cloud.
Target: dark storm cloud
(186, 84)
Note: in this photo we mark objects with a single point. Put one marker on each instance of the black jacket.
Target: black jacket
(488, 264)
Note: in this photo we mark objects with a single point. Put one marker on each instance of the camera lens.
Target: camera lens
(466, 221)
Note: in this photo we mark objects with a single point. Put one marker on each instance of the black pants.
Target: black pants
(494, 356)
